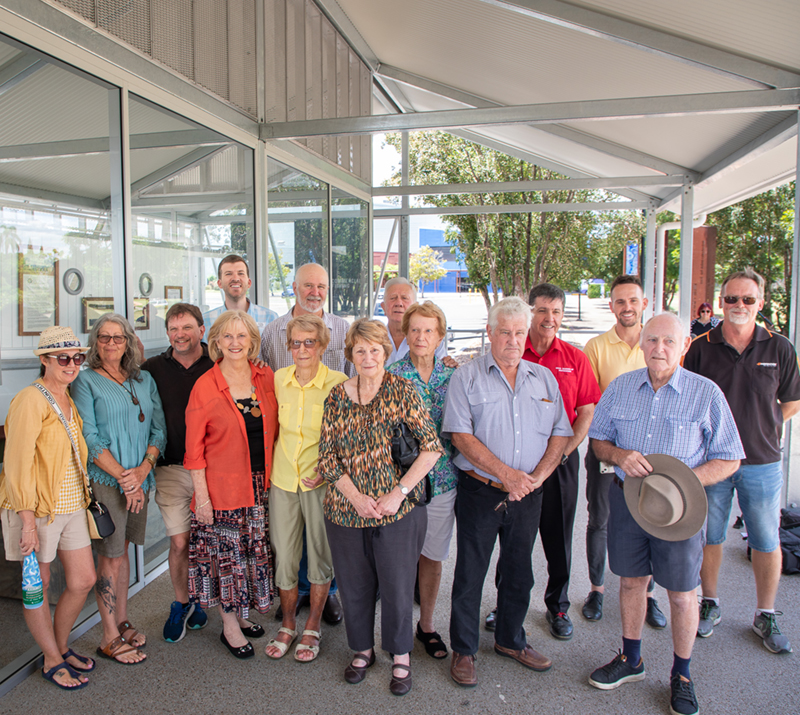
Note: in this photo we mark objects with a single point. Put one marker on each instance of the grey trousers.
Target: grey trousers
(385, 558)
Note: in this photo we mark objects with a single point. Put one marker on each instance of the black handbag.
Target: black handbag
(405, 450)
(99, 521)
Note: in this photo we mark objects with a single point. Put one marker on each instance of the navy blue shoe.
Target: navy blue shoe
(175, 627)
(198, 619)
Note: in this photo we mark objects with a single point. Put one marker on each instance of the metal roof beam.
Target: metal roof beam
(620, 182)
(770, 139)
(174, 168)
(55, 197)
(650, 39)
(540, 161)
(100, 145)
(18, 70)
(766, 100)
(602, 145)
(512, 209)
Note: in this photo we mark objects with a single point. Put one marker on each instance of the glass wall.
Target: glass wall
(298, 228)
(59, 244)
(352, 259)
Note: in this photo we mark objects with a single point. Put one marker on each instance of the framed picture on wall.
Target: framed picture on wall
(38, 291)
(173, 293)
(93, 308)
(141, 313)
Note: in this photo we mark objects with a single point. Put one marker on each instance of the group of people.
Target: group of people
(270, 451)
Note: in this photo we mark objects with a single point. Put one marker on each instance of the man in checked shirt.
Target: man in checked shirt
(660, 409)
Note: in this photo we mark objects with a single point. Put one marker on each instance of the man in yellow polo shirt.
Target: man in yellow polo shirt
(296, 491)
(612, 354)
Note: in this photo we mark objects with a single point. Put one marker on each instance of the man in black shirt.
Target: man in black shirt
(757, 370)
(175, 372)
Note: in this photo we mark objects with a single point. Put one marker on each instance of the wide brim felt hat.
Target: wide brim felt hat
(669, 503)
(57, 338)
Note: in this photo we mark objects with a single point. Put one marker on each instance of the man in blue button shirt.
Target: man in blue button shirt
(506, 418)
(661, 409)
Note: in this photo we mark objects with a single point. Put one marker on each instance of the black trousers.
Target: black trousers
(479, 526)
(385, 558)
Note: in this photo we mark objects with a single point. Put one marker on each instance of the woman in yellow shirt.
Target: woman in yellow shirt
(43, 500)
(297, 491)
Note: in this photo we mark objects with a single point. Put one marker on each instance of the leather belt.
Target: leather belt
(485, 480)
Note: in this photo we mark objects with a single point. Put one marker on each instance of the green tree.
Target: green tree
(392, 271)
(504, 252)
(425, 266)
(759, 232)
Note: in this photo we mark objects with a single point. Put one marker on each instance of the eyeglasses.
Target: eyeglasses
(64, 360)
(704, 311)
(106, 339)
(310, 343)
(734, 299)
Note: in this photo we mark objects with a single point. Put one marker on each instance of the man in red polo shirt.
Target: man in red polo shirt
(580, 393)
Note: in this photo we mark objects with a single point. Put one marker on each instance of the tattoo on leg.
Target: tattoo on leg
(105, 592)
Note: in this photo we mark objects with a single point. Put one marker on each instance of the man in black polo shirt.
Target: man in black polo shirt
(757, 370)
(175, 372)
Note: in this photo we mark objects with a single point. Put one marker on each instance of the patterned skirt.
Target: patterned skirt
(230, 561)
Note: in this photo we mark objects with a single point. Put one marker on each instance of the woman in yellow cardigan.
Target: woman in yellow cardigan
(43, 500)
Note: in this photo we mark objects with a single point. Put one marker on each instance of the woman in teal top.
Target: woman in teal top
(125, 431)
(424, 326)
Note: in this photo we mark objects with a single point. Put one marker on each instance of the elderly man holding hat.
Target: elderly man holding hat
(667, 433)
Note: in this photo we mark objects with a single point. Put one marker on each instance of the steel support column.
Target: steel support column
(404, 243)
(649, 271)
(687, 244)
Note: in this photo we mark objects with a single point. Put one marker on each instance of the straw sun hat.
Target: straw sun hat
(58, 338)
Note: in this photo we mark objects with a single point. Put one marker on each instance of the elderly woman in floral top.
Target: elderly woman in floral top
(374, 530)
(424, 326)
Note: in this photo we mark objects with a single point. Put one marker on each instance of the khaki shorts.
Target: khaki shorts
(128, 526)
(441, 518)
(174, 490)
(68, 532)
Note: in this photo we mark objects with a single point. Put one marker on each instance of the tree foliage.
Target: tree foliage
(512, 252)
(425, 266)
(759, 232)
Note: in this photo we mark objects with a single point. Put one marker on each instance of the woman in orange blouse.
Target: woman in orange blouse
(231, 424)
(43, 497)
(375, 532)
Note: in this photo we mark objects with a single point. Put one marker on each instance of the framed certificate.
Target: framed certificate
(93, 308)
(173, 293)
(38, 292)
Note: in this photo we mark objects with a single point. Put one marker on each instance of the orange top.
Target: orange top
(216, 439)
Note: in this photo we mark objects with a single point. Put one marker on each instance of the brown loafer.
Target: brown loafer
(462, 670)
(528, 657)
(356, 673)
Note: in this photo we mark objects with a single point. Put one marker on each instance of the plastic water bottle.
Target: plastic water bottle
(32, 590)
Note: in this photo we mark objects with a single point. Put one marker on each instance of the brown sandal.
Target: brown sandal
(126, 626)
(119, 646)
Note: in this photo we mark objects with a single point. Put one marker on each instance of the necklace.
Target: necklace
(253, 408)
(131, 391)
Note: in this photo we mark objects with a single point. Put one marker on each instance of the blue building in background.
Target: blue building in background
(456, 280)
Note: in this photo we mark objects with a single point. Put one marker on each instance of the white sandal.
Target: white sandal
(302, 646)
(280, 645)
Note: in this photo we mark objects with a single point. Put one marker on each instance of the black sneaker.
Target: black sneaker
(491, 617)
(655, 617)
(593, 606)
(617, 672)
(560, 625)
(683, 700)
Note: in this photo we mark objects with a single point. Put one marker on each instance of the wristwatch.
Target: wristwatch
(403, 489)
(564, 459)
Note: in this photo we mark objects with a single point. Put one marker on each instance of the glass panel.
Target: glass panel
(298, 227)
(192, 204)
(351, 277)
(59, 245)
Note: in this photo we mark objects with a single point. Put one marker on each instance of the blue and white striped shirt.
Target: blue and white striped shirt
(688, 418)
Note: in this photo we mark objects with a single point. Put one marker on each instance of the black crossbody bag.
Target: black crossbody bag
(405, 450)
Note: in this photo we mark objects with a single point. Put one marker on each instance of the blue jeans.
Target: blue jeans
(758, 490)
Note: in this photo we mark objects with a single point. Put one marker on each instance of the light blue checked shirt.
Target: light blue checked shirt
(688, 418)
(263, 316)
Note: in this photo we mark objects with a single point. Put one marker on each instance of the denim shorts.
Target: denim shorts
(758, 489)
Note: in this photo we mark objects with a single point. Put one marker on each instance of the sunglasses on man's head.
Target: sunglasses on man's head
(734, 299)
(65, 360)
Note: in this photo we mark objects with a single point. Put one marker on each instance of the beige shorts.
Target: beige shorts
(441, 519)
(174, 490)
(68, 532)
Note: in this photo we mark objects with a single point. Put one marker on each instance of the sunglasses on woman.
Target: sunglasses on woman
(106, 339)
(65, 360)
(734, 299)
